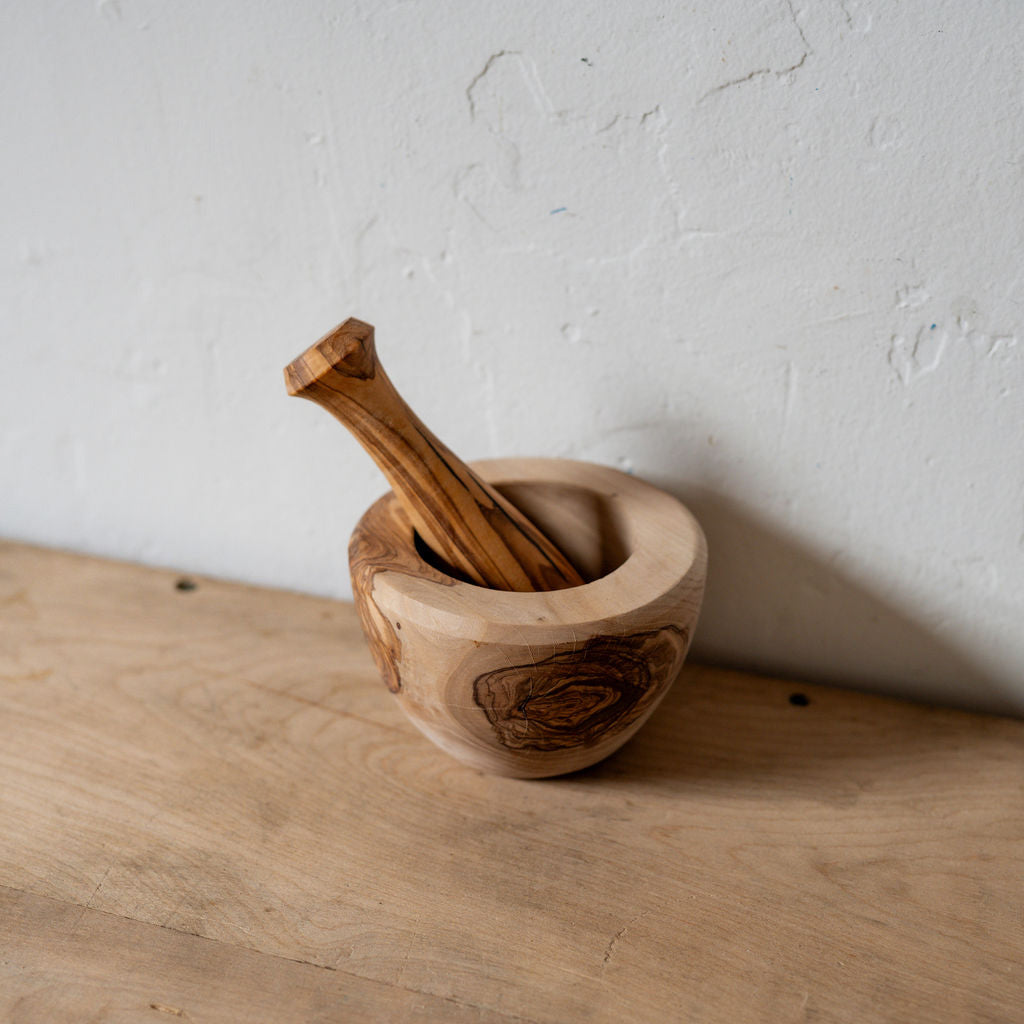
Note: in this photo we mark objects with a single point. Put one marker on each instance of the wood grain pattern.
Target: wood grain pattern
(540, 684)
(63, 963)
(387, 547)
(579, 696)
(466, 522)
(211, 805)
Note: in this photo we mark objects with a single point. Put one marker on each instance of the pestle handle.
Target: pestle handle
(464, 520)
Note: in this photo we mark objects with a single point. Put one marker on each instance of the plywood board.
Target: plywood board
(210, 803)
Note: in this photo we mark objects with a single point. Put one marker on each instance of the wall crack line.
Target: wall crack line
(479, 76)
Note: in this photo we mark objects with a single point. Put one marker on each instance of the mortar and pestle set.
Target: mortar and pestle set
(527, 614)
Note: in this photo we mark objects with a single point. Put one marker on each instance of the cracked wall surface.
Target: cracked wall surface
(768, 256)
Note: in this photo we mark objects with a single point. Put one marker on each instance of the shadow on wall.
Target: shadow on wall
(774, 606)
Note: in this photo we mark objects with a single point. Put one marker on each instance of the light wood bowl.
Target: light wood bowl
(536, 684)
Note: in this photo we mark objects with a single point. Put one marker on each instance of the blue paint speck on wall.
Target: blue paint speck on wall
(560, 209)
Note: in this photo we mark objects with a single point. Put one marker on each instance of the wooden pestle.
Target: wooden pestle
(464, 520)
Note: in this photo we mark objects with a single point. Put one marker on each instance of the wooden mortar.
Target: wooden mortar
(536, 684)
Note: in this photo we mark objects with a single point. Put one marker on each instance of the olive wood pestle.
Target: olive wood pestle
(465, 521)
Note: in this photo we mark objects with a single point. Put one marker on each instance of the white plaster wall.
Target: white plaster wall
(767, 255)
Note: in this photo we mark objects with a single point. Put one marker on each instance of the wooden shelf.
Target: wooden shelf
(213, 811)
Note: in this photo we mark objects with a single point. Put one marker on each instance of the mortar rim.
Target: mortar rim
(455, 608)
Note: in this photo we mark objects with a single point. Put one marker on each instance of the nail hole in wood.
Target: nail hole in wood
(185, 584)
(799, 700)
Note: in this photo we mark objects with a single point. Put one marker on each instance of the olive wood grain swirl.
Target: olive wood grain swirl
(466, 522)
(582, 694)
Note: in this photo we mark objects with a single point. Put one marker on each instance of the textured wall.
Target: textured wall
(767, 255)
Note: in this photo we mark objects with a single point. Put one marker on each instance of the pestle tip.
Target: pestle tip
(347, 350)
